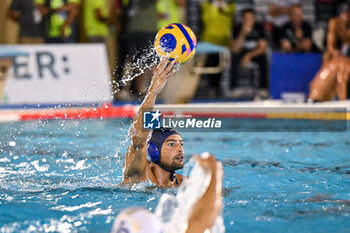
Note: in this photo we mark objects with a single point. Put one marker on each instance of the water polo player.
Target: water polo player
(164, 146)
(195, 209)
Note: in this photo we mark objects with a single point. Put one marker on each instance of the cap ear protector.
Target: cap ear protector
(153, 153)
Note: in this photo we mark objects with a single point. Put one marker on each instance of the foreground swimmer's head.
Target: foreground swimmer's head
(136, 220)
(165, 149)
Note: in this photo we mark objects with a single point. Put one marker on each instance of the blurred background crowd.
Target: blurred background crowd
(250, 29)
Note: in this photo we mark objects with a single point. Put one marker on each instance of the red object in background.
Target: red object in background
(105, 111)
(268, 26)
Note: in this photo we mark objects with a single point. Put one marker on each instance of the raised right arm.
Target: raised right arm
(134, 168)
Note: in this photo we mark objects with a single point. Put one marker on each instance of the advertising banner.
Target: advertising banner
(58, 74)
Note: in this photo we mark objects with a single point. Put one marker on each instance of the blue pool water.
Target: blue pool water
(62, 176)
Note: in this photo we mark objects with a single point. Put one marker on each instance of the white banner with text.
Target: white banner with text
(58, 74)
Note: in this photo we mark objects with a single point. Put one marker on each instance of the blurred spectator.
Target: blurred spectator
(249, 47)
(28, 18)
(169, 11)
(338, 35)
(279, 11)
(138, 29)
(117, 14)
(217, 21)
(217, 17)
(59, 16)
(296, 34)
(95, 20)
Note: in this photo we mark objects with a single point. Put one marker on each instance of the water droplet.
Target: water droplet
(77, 224)
(12, 143)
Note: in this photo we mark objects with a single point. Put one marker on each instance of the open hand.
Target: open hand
(208, 207)
(161, 75)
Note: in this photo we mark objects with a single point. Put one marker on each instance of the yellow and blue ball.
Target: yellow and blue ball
(176, 41)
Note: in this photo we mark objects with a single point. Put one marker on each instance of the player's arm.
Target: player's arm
(208, 207)
(331, 37)
(134, 168)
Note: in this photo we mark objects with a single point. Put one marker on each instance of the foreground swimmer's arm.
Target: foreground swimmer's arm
(134, 168)
(202, 217)
(209, 206)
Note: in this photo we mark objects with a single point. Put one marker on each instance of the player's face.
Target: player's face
(173, 156)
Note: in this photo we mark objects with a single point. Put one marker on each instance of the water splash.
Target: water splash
(173, 211)
(143, 60)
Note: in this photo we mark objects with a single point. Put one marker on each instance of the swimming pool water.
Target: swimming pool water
(63, 175)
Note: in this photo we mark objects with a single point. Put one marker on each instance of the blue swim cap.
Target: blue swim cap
(156, 142)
